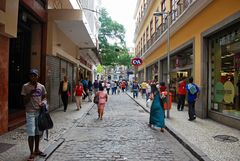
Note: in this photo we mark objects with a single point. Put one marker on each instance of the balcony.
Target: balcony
(74, 25)
(185, 12)
(143, 16)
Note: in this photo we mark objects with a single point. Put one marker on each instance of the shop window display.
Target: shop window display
(225, 72)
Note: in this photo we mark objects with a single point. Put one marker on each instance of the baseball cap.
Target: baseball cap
(34, 71)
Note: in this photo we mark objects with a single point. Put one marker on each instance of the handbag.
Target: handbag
(96, 99)
(68, 94)
(149, 103)
(44, 120)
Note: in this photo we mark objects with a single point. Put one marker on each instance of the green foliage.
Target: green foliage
(99, 68)
(112, 42)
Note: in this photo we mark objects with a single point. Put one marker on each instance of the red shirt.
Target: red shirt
(182, 88)
(79, 90)
(163, 88)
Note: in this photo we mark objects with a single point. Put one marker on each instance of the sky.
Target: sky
(122, 11)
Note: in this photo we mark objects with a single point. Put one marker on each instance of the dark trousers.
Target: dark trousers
(108, 89)
(86, 93)
(181, 101)
(64, 97)
(113, 90)
(191, 110)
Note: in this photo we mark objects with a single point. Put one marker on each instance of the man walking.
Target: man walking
(193, 93)
(34, 97)
(181, 94)
(64, 91)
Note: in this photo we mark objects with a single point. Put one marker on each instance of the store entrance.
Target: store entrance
(175, 78)
(19, 63)
(19, 66)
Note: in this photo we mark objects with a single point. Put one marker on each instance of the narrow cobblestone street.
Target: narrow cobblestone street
(121, 135)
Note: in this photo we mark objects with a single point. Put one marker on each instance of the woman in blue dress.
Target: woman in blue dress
(157, 111)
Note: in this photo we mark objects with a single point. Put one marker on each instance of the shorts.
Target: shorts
(32, 124)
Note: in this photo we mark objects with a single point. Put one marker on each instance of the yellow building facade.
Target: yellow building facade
(204, 43)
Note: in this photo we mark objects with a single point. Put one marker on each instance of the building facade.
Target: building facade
(72, 46)
(34, 35)
(204, 43)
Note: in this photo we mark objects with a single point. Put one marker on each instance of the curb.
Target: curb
(189, 146)
(51, 148)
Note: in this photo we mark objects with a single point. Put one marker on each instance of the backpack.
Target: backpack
(192, 89)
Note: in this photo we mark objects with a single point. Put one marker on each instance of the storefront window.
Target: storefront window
(225, 72)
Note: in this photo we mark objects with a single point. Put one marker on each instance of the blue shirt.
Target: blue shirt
(192, 97)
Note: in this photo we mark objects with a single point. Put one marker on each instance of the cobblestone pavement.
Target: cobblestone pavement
(121, 135)
(17, 139)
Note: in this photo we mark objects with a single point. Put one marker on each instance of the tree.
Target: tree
(112, 42)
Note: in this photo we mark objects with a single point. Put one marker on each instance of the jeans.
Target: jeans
(135, 93)
(191, 110)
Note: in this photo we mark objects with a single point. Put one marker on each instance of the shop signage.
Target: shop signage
(136, 61)
(224, 92)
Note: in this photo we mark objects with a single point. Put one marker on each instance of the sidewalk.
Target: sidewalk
(14, 146)
(198, 135)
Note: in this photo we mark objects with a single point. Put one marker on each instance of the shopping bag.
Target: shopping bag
(69, 94)
(96, 99)
(149, 103)
(44, 120)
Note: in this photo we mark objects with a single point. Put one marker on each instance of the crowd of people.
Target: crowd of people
(157, 94)
(34, 97)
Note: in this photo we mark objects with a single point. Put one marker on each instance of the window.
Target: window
(225, 71)
(143, 38)
(174, 5)
(147, 33)
(156, 21)
(164, 17)
(151, 28)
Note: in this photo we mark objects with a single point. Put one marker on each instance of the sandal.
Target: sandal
(40, 154)
(31, 158)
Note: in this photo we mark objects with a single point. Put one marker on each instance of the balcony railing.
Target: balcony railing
(174, 15)
(139, 23)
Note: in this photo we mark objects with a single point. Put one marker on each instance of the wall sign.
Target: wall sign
(136, 61)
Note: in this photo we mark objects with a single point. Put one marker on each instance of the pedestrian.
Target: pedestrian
(181, 94)
(135, 88)
(103, 97)
(64, 91)
(34, 98)
(78, 92)
(157, 110)
(96, 86)
(123, 86)
(143, 89)
(193, 93)
(108, 85)
(162, 87)
(90, 85)
(148, 90)
(113, 84)
(85, 87)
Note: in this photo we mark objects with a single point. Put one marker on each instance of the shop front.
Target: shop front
(141, 76)
(181, 64)
(152, 72)
(224, 73)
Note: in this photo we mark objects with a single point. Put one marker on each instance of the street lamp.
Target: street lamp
(168, 56)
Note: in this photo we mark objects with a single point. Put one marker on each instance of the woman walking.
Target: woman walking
(79, 91)
(103, 97)
(157, 111)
